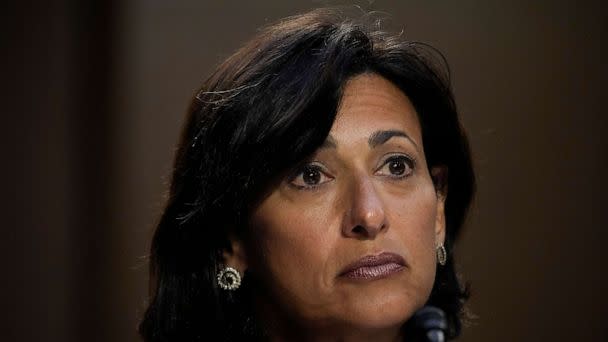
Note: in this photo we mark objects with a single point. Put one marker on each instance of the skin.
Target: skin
(355, 201)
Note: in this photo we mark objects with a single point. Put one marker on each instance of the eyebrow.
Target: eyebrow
(380, 137)
(377, 138)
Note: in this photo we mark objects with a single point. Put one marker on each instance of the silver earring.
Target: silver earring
(229, 279)
(442, 255)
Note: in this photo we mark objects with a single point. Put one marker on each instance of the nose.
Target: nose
(365, 215)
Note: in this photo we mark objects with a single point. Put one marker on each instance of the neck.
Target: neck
(279, 325)
(336, 334)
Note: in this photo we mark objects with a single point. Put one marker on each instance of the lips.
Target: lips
(374, 266)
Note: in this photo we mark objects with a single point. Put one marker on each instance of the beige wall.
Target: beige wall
(100, 91)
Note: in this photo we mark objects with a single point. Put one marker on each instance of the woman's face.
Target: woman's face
(347, 241)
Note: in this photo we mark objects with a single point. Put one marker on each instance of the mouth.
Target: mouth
(374, 267)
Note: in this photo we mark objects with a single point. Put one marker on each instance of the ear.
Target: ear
(439, 174)
(235, 257)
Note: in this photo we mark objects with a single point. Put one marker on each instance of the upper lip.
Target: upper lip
(374, 260)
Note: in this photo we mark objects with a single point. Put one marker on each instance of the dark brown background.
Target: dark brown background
(94, 93)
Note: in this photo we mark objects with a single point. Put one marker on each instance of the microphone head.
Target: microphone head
(430, 318)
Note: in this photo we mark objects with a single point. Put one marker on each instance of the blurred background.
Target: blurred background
(95, 92)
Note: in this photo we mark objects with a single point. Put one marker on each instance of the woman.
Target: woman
(321, 179)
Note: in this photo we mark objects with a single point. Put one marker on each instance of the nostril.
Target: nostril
(359, 230)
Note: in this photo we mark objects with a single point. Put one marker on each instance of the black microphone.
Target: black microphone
(432, 323)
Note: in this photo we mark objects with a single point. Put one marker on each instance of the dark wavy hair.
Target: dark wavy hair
(266, 108)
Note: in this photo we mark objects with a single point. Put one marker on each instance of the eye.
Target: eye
(399, 166)
(309, 176)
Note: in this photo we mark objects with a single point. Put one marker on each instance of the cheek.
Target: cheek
(414, 223)
(290, 253)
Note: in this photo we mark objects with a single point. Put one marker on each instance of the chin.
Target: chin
(385, 312)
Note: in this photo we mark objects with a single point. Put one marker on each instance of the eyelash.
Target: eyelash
(409, 161)
(300, 171)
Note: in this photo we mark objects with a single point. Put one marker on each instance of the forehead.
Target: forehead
(370, 103)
